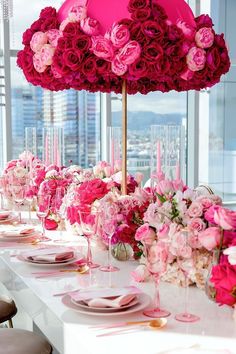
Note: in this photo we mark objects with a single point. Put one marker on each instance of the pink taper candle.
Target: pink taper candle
(112, 155)
(177, 172)
(55, 162)
(46, 151)
(158, 157)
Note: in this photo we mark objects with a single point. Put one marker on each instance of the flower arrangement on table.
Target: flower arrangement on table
(177, 207)
(26, 171)
(148, 50)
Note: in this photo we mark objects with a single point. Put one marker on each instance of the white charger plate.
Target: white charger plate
(78, 257)
(20, 238)
(143, 302)
(83, 305)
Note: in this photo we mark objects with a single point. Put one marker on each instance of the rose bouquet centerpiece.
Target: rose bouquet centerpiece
(177, 207)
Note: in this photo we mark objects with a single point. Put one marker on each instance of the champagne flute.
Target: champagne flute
(109, 227)
(18, 193)
(29, 199)
(42, 209)
(60, 192)
(185, 261)
(2, 189)
(156, 255)
(88, 224)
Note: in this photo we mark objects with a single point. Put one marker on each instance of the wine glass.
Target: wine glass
(60, 192)
(42, 209)
(109, 227)
(18, 193)
(2, 189)
(29, 198)
(156, 258)
(185, 261)
(88, 224)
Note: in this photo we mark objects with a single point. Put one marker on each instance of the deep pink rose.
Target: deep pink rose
(210, 238)
(137, 4)
(90, 26)
(203, 21)
(38, 40)
(153, 52)
(209, 214)
(141, 14)
(138, 69)
(187, 30)
(152, 29)
(119, 35)
(196, 59)
(50, 224)
(102, 48)
(27, 36)
(81, 43)
(158, 12)
(53, 36)
(145, 234)
(48, 12)
(130, 52)
(204, 37)
(225, 218)
(118, 67)
(46, 53)
(39, 66)
(89, 191)
(72, 59)
(89, 67)
(224, 279)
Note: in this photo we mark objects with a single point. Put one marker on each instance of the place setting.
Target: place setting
(7, 216)
(20, 234)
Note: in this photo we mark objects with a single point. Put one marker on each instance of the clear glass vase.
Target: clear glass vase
(209, 286)
(122, 251)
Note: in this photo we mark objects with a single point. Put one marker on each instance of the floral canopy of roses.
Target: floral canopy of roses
(150, 48)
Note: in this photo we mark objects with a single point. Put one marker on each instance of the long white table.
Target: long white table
(69, 331)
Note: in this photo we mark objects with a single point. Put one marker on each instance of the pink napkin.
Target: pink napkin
(4, 215)
(52, 257)
(115, 302)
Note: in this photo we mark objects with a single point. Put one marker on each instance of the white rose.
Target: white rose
(20, 172)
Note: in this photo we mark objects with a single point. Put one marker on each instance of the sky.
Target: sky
(27, 11)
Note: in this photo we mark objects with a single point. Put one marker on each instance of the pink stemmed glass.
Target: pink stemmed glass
(156, 264)
(2, 189)
(29, 197)
(18, 193)
(42, 209)
(185, 261)
(88, 224)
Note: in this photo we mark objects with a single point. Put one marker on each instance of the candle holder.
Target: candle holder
(53, 146)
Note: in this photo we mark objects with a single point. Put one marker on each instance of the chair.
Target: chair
(8, 310)
(19, 341)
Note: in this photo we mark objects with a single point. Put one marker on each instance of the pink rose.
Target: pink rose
(46, 53)
(204, 37)
(197, 224)
(50, 224)
(90, 26)
(102, 48)
(118, 67)
(205, 201)
(195, 210)
(38, 40)
(130, 52)
(187, 75)
(77, 13)
(140, 274)
(119, 35)
(145, 234)
(225, 218)
(186, 29)
(39, 66)
(196, 59)
(210, 238)
(53, 36)
(209, 214)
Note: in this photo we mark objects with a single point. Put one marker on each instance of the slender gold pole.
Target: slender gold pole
(124, 138)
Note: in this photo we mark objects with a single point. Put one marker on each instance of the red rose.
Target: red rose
(89, 67)
(219, 40)
(136, 33)
(50, 224)
(203, 21)
(175, 33)
(48, 12)
(36, 25)
(141, 14)
(103, 66)
(126, 21)
(72, 59)
(48, 24)
(27, 36)
(137, 4)
(25, 60)
(158, 12)
(64, 43)
(138, 69)
(58, 67)
(152, 29)
(71, 30)
(82, 42)
(89, 191)
(152, 52)
(213, 58)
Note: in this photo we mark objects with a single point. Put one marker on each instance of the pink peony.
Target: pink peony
(210, 238)
(39, 66)
(38, 40)
(118, 67)
(46, 53)
(225, 218)
(224, 279)
(204, 37)
(119, 35)
(77, 13)
(195, 210)
(102, 48)
(53, 36)
(89, 191)
(90, 26)
(130, 52)
(145, 234)
(196, 59)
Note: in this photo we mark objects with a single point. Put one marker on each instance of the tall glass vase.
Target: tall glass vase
(53, 146)
(30, 145)
(114, 139)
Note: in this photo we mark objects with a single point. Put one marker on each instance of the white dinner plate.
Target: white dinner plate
(143, 302)
(83, 305)
(20, 238)
(10, 218)
(76, 258)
